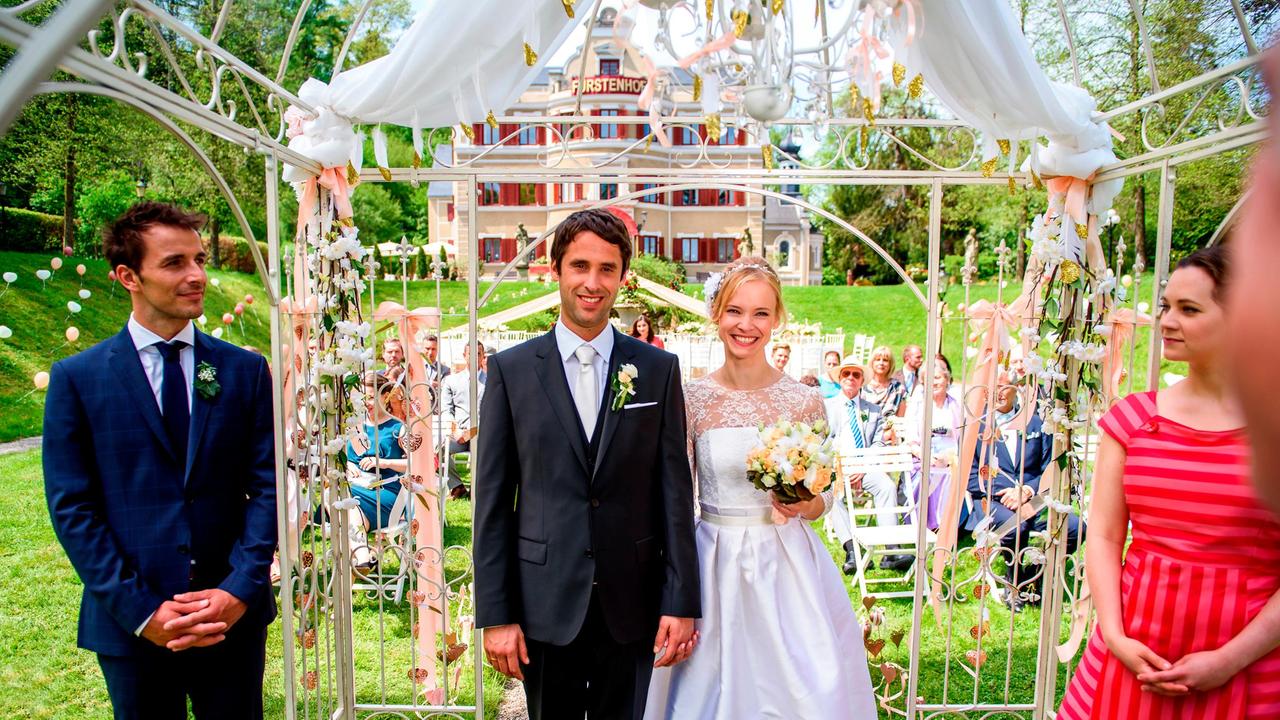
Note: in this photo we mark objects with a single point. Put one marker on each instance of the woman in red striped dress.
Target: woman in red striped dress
(1188, 624)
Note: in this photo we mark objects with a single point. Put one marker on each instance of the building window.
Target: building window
(729, 136)
(644, 130)
(611, 130)
(724, 249)
(489, 194)
(652, 197)
(689, 249)
(489, 135)
(528, 135)
(784, 254)
(567, 193)
(528, 194)
(724, 197)
(610, 66)
(650, 245)
(689, 136)
(688, 197)
(493, 250)
(608, 191)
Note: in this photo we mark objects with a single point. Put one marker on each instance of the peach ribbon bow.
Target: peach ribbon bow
(1123, 322)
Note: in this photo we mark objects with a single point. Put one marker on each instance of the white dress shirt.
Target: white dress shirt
(568, 342)
(153, 362)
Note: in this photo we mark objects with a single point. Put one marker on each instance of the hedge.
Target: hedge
(29, 231)
(235, 254)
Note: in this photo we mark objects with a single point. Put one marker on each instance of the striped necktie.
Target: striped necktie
(855, 427)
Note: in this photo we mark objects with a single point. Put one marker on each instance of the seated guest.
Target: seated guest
(1188, 622)
(909, 375)
(642, 329)
(455, 409)
(393, 358)
(781, 356)
(1010, 460)
(375, 463)
(857, 424)
(944, 438)
(880, 387)
(829, 380)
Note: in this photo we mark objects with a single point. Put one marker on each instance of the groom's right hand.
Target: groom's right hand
(505, 648)
(201, 635)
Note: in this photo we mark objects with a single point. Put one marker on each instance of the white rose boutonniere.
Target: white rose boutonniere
(207, 381)
(624, 385)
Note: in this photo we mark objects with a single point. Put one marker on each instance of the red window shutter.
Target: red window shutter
(478, 129)
(450, 213)
(559, 194)
(510, 193)
(542, 134)
(541, 250)
(737, 251)
(540, 193)
(508, 249)
(707, 197)
(577, 191)
(677, 250)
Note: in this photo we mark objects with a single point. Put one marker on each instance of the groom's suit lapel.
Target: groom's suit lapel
(200, 407)
(612, 417)
(550, 370)
(128, 368)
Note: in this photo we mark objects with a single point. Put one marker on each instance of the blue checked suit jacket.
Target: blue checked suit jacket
(131, 516)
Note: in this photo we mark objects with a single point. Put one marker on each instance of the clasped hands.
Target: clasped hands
(194, 619)
(1198, 671)
(1016, 499)
(505, 647)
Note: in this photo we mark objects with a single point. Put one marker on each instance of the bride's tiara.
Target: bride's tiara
(716, 281)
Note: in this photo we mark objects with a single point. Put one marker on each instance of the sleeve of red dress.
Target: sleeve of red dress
(1124, 417)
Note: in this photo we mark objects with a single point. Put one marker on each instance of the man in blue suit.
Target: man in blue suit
(1005, 477)
(159, 472)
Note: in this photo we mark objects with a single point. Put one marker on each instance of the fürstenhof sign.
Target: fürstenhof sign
(610, 85)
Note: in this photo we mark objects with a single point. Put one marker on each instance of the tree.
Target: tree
(422, 269)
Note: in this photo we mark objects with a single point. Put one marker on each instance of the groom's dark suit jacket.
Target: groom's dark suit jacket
(555, 513)
(132, 516)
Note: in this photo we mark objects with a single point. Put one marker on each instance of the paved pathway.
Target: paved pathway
(19, 445)
(513, 706)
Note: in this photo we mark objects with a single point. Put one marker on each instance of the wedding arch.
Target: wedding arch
(407, 657)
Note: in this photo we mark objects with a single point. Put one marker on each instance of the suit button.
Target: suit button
(183, 549)
(595, 502)
(588, 554)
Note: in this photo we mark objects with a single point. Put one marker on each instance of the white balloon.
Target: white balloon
(1143, 307)
(202, 319)
(217, 332)
(41, 380)
(10, 277)
(42, 274)
(73, 306)
(215, 282)
(5, 332)
(84, 294)
(73, 333)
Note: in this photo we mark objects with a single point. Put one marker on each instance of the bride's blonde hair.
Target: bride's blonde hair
(723, 285)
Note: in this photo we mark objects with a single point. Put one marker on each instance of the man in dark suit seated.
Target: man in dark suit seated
(1004, 480)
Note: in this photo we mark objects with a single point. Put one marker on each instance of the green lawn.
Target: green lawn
(43, 675)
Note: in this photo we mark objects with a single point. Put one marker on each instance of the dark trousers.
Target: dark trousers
(224, 681)
(455, 447)
(592, 675)
(1020, 538)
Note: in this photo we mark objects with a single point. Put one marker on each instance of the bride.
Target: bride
(779, 638)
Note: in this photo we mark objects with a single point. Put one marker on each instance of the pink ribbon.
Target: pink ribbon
(428, 511)
(714, 46)
(1075, 192)
(863, 54)
(645, 101)
(1123, 322)
(335, 180)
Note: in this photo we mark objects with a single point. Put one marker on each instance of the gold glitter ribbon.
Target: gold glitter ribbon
(491, 120)
(899, 73)
(530, 56)
(766, 153)
(466, 130)
(989, 167)
(711, 9)
(740, 18)
(1070, 271)
(568, 8)
(697, 88)
(868, 113)
(777, 6)
(1004, 146)
(713, 126)
(915, 88)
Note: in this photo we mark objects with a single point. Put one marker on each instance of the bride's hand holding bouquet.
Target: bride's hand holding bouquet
(794, 464)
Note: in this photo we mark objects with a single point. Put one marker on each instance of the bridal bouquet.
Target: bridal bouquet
(794, 460)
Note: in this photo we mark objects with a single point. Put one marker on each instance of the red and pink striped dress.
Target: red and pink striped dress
(1205, 558)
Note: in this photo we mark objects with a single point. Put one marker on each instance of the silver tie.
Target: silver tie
(584, 394)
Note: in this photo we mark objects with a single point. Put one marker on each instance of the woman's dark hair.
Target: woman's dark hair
(123, 243)
(635, 333)
(945, 362)
(1215, 261)
(601, 222)
(829, 353)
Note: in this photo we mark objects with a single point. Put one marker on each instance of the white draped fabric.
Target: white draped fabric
(458, 61)
(976, 61)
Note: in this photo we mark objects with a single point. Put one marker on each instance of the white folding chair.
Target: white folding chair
(871, 541)
(394, 534)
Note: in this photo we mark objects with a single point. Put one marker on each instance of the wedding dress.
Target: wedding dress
(779, 637)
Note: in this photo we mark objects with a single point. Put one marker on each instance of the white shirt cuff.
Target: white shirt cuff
(143, 626)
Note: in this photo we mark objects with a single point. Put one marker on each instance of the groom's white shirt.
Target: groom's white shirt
(568, 342)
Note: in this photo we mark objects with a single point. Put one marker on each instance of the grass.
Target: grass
(43, 676)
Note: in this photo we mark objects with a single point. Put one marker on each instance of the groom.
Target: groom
(586, 567)
(159, 471)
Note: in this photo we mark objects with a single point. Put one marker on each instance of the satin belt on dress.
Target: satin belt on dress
(737, 517)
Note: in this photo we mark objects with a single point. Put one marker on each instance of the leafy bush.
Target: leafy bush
(27, 231)
(235, 253)
(659, 269)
